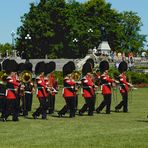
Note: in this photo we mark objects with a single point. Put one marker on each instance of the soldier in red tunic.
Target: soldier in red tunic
(41, 91)
(12, 86)
(88, 89)
(52, 86)
(123, 88)
(105, 81)
(21, 88)
(68, 90)
(28, 88)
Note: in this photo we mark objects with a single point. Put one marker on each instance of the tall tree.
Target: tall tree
(60, 28)
(129, 37)
(5, 48)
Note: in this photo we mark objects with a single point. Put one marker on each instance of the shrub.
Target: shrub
(59, 77)
(132, 77)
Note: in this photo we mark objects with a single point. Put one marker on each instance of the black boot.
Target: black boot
(60, 114)
(116, 110)
(34, 116)
(80, 113)
(3, 119)
(97, 111)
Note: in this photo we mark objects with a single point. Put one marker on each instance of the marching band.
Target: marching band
(17, 88)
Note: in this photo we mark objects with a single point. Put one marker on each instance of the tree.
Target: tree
(54, 25)
(4, 48)
(129, 37)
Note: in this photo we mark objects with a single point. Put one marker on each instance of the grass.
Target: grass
(117, 130)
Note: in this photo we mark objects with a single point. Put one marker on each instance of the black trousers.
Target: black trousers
(51, 103)
(12, 107)
(76, 102)
(42, 108)
(2, 106)
(70, 105)
(89, 105)
(27, 103)
(30, 99)
(94, 98)
(106, 102)
(123, 103)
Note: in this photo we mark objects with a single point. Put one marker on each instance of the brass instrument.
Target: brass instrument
(3, 75)
(76, 75)
(25, 76)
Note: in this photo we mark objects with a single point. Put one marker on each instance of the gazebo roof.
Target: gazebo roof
(104, 46)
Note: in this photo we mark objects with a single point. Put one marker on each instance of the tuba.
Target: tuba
(25, 76)
(76, 75)
(3, 76)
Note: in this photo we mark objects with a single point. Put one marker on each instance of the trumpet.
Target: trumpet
(25, 76)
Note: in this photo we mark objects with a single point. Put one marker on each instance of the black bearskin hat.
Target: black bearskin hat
(72, 65)
(12, 66)
(21, 67)
(5, 64)
(28, 66)
(91, 61)
(52, 66)
(104, 65)
(40, 67)
(122, 67)
(68, 68)
(87, 67)
(47, 68)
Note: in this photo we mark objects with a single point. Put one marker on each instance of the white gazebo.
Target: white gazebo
(104, 48)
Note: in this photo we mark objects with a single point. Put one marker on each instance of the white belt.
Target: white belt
(28, 92)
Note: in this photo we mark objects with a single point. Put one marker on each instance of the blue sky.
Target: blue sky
(12, 10)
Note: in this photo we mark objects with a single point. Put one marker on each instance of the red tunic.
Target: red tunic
(41, 87)
(12, 87)
(106, 84)
(69, 88)
(123, 83)
(52, 83)
(88, 87)
(51, 79)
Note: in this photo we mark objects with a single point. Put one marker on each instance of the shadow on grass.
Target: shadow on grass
(142, 120)
(57, 116)
(120, 112)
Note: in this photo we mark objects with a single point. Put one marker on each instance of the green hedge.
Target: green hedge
(140, 67)
(138, 78)
(59, 77)
(134, 77)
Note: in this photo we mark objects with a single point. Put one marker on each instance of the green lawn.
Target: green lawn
(117, 130)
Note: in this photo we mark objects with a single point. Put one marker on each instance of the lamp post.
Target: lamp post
(28, 37)
(89, 31)
(13, 45)
(24, 54)
(12, 34)
(75, 41)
